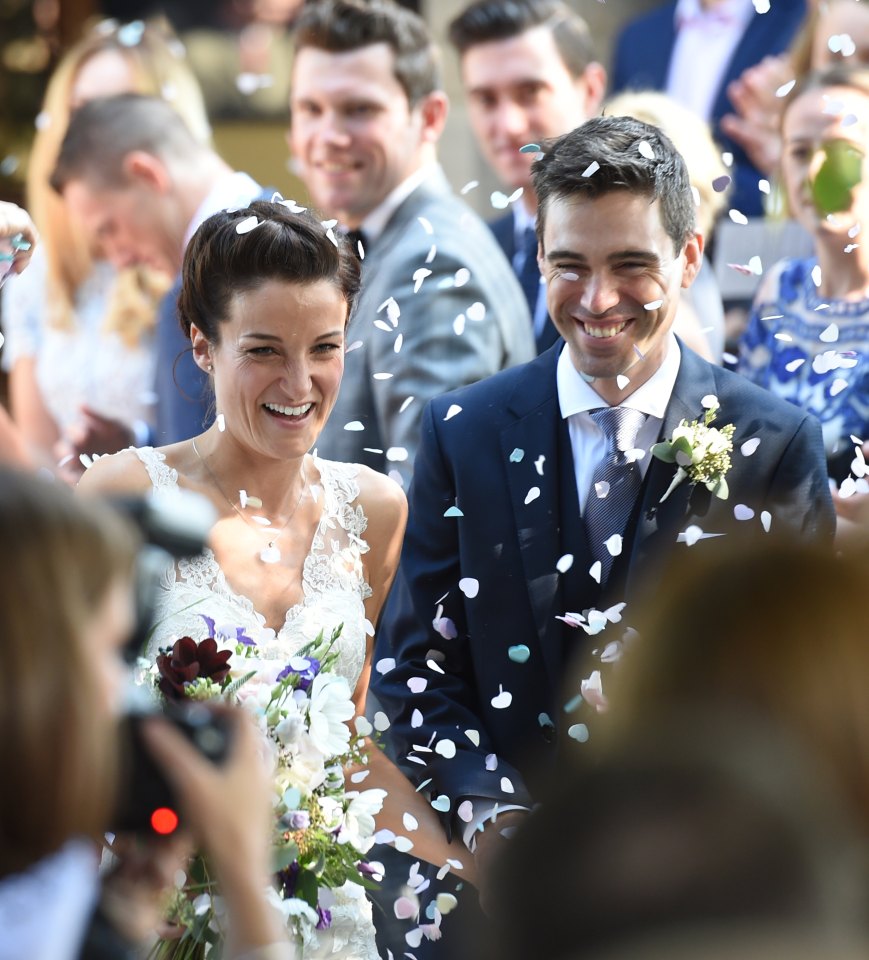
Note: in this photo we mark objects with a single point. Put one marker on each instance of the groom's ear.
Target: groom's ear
(692, 258)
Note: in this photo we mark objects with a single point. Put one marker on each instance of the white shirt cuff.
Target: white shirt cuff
(485, 812)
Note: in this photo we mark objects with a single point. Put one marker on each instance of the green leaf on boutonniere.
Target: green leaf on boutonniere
(663, 450)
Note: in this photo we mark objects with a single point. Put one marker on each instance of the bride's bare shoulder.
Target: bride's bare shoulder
(382, 499)
(122, 472)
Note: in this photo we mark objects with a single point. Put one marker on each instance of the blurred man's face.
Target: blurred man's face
(519, 91)
(353, 133)
(126, 224)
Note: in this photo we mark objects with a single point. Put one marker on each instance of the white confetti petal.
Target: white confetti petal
(564, 563)
(602, 488)
(693, 534)
(454, 409)
(397, 454)
(354, 425)
(463, 275)
(622, 381)
(532, 495)
(416, 719)
(503, 699)
(466, 811)
(766, 520)
(417, 684)
(595, 570)
(476, 311)
(748, 448)
(743, 512)
(221, 422)
(830, 334)
(653, 305)
(469, 587)
(591, 169)
(418, 277)
(459, 325)
(837, 386)
(614, 545)
(446, 749)
(646, 150)
(738, 217)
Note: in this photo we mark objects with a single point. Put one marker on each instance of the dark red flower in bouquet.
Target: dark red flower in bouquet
(189, 661)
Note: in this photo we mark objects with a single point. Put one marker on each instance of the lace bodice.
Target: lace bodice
(333, 582)
(333, 590)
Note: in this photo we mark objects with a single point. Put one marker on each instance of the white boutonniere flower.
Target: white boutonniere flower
(701, 452)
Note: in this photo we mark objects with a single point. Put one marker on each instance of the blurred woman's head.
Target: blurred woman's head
(691, 137)
(66, 602)
(111, 58)
(825, 141)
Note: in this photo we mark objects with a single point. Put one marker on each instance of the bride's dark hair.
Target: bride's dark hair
(277, 241)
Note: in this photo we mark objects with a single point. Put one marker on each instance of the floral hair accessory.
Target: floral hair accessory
(701, 452)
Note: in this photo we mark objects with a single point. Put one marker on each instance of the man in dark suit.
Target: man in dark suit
(694, 49)
(536, 495)
(529, 74)
(140, 184)
(439, 305)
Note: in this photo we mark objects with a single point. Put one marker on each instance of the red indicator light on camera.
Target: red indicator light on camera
(164, 821)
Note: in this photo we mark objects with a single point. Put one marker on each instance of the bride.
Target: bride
(301, 544)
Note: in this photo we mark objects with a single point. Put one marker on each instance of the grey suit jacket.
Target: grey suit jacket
(439, 308)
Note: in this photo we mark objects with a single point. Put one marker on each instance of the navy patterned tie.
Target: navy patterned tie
(615, 483)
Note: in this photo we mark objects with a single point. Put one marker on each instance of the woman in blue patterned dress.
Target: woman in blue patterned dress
(808, 337)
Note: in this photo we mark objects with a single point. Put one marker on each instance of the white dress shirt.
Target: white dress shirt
(576, 398)
(375, 220)
(706, 40)
(230, 192)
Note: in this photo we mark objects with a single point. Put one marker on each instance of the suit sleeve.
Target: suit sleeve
(442, 346)
(799, 494)
(439, 730)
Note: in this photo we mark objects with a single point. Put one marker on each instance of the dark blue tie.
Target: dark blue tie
(529, 275)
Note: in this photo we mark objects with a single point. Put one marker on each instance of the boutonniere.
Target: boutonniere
(700, 451)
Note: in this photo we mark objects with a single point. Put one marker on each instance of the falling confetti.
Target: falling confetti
(453, 410)
(503, 699)
(591, 169)
(646, 150)
(532, 495)
(469, 587)
(519, 653)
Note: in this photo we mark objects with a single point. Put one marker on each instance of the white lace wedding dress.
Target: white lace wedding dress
(334, 589)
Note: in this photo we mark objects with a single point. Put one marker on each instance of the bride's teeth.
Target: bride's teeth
(289, 411)
(601, 332)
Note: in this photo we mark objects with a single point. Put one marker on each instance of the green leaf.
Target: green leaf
(720, 489)
(682, 445)
(283, 856)
(841, 171)
(664, 451)
(307, 888)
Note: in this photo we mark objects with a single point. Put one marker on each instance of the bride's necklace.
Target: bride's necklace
(271, 553)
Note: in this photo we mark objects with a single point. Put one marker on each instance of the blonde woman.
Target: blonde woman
(79, 333)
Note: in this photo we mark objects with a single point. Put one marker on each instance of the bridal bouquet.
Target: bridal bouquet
(321, 830)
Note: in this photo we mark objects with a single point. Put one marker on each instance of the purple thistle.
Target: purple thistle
(325, 916)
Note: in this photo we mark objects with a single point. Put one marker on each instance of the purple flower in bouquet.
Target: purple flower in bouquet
(297, 820)
(306, 668)
(325, 916)
(188, 661)
(227, 633)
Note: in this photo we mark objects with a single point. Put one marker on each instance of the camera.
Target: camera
(171, 527)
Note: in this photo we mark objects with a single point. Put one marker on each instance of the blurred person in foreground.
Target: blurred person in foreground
(67, 605)
(721, 801)
(80, 332)
(439, 306)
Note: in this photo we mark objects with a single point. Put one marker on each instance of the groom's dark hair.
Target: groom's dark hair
(609, 154)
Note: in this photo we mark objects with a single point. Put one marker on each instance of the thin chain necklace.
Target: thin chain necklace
(271, 553)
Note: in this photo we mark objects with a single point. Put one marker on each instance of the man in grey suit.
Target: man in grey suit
(440, 306)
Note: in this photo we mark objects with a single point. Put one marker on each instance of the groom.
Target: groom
(535, 493)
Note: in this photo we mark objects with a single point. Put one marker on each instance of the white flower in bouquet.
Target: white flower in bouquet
(358, 826)
(307, 769)
(331, 708)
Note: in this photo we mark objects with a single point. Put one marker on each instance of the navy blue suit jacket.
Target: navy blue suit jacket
(505, 233)
(486, 462)
(642, 59)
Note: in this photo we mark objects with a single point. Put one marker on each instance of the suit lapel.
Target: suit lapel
(537, 503)
(659, 523)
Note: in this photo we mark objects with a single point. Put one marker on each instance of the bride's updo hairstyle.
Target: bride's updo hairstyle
(236, 251)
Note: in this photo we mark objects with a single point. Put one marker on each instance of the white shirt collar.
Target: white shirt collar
(231, 190)
(375, 222)
(522, 219)
(740, 11)
(575, 395)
